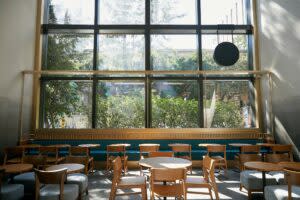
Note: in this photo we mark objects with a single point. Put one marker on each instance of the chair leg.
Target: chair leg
(112, 195)
(210, 193)
(144, 192)
(249, 194)
(241, 187)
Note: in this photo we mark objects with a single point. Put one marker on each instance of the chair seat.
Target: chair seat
(51, 192)
(132, 180)
(279, 176)
(79, 179)
(193, 180)
(12, 191)
(167, 190)
(280, 192)
(27, 179)
(252, 180)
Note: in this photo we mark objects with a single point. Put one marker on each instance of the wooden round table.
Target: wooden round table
(16, 168)
(263, 167)
(71, 167)
(121, 144)
(165, 162)
(89, 145)
(239, 144)
(60, 145)
(207, 144)
(148, 144)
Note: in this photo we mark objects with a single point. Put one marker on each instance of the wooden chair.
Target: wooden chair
(38, 161)
(221, 161)
(161, 154)
(52, 154)
(31, 149)
(183, 151)
(206, 181)
(84, 160)
(13, 155)
(168, 183)
(283, 149)
(112, 151)
(276, 158)
(55, 187)
(83, 151)
(289, 191)
(124, 183)
(248, 153)
(145, 149)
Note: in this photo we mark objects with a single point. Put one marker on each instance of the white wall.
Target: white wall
(17, 40)
(280, 53)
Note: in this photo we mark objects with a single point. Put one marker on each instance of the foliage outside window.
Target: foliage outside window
(144, 35)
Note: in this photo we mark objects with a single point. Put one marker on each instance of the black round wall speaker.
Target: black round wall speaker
(226, 54)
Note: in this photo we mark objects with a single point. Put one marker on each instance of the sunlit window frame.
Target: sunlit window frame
(147, 30)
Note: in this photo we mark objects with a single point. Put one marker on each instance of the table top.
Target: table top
(16, 168)
(239, 144)
(71, 167)
(165, 162)
(120, 144)
(89, 145)
(30, 145)
(148, 144)
(266, 144)
(207, 144)
(178, 144)
(290, 165)
(60, 145)
(263, 166)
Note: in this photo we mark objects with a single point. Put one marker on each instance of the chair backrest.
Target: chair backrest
(217, 149)
(38, 161)
(48, 150)
(276, 158)
(247, 158)
(209, 173)
(117, 167)
(115, 148)
(13, 152)
(161, 154)
(293, 178)
(175, 176)
(181, 148)
(147, 148)
(78, 151)
(50, 177)
(283, 149)
(250, 149)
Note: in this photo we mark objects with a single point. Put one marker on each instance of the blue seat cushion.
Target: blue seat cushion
(28, 180)
(12, 191)
(51, 192)
(280, 192)
(79, 179)
(252, 180)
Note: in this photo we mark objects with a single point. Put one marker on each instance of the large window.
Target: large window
(159, 36)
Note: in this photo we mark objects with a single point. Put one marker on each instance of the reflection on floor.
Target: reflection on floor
(99, 187)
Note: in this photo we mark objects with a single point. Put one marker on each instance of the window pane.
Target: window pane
(120, 104)
(175, 104)
(67, 104)
(69, 52)
(223, 12)
(68, 12)
(173, 11)
(210, 42)
(121, 52)
(229, 104)
(122, 12)
(174, 52)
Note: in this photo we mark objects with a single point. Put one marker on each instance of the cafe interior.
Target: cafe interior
(149, 99)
